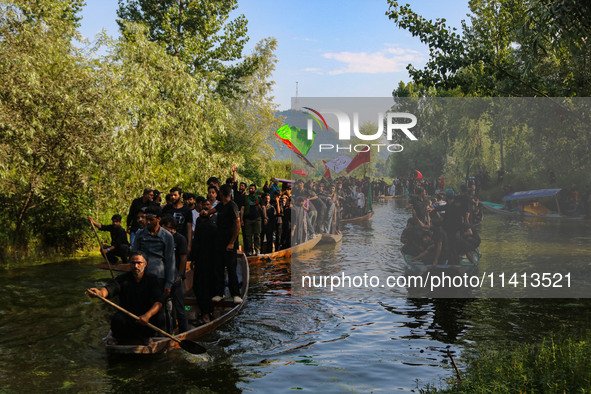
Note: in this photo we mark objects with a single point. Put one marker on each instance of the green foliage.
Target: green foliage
(553, 366)
(509, 48)
(53, 118)
(84, 134)
(199, 33)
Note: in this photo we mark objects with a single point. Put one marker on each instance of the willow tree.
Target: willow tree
(174, 131)
(200, 33)
(54, 123)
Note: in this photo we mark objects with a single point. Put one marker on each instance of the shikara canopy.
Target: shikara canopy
(531, 194)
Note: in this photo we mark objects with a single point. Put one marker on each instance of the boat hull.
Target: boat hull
(358, 219)
(285, 253)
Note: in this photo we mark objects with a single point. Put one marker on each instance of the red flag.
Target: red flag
(326, 171)
(441, 182)
(419, 175)
(300, 172)
(362, 157)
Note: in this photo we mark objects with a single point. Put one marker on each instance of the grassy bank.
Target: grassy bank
(552, 366)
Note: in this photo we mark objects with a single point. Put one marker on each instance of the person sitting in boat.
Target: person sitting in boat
(435, 243)
(411, 238)
(141, 294)
(119, 244)
(419, 206)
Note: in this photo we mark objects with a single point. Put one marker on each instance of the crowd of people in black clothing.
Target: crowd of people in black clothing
(441, 229)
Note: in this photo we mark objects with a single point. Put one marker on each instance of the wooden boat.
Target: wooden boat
(385, 197)
(331, 238)
(358, 219)
(285, 253)
(527, 204)
(465, 267)
(120, 267)
(223, 312)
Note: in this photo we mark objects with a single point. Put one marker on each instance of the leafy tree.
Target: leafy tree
(199, 33)
(509, 48)
(54, 119)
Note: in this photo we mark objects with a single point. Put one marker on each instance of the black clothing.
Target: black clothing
(420, 208)
(137, 298)
(269, 228)
(182, 215)
(239, 199)
(118, 241)
(180, 247)
(227, 214)
(204, 259)
(136, 206)
(118, 234)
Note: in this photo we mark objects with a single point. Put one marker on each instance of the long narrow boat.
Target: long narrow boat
(331, 238)
(359, 218)
(465, 267)
(223, 312)
(285, 253)
(385, 197)
(116, 267)
(526, 204)
(120, 267)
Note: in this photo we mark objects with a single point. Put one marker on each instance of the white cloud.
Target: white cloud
(314, 70)
(388, 60)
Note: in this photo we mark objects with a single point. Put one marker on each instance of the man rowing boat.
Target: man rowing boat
(140, 293)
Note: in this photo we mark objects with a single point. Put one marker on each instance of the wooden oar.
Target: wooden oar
(190, 346)
(101, 247)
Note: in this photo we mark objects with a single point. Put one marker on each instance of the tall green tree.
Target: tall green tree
(198, 32)
(54, 123)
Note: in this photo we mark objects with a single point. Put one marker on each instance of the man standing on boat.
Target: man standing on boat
(141, 202)
(140, 293)
(158, 246)
(226, 244)
(182, 214)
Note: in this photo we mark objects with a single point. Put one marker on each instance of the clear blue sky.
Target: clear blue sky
(332, 48)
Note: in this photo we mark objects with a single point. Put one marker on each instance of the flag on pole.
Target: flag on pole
(326, 171)
(297, 140)
(419, 175)
(339, 164)
(442, 182)
(300, 172)
(362, 157)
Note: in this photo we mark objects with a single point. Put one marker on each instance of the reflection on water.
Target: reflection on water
(354, 339)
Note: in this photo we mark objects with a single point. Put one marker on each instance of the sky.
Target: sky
(330, 48)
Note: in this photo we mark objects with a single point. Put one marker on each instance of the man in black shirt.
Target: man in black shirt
(182, 214)
(180, 257)
(226, 244)
(141, 202)
(119, 244)
(140, 293)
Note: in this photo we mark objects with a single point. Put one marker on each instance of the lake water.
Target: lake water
(288, 337)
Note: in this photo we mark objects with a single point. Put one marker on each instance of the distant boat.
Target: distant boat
(381, 197)
(223, 312)
(285, 253)
(359, 218)
(527, 204)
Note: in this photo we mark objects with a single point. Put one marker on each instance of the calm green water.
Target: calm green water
(349, 340)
